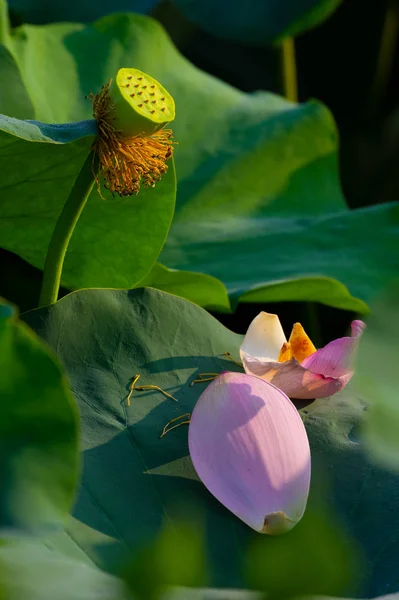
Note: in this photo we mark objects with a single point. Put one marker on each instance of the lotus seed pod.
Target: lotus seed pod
(142, 105)
(250, 449)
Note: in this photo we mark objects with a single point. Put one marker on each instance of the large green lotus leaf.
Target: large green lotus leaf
(39, 458)
(116, 241)
(257, 22)
(133, 481)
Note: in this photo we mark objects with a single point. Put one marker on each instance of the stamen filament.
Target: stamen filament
(127, 162)
(143, 388)
(167, 429)
(229, 356)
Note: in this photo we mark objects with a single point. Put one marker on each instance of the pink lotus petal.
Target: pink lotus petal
(357, 327)
(292, 378)
(250, 449)
(335, 359)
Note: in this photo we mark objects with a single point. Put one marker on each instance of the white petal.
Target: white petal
(264, 337)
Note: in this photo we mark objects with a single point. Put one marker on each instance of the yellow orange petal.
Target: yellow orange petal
(301, 344)
(285, 352)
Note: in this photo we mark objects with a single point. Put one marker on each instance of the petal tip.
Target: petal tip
(277, 523)
(357, 327)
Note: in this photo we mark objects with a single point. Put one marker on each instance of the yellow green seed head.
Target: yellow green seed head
(142, 105)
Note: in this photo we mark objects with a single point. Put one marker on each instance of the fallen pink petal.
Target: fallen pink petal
(296, 367)
(249, 447)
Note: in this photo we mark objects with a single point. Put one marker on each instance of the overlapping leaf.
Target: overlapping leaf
(133, 481)
(201, 289)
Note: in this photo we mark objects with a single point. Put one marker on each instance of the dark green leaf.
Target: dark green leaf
(277, 258)
(38, 431)
(133, 482)
(47, 11)
(257, 22)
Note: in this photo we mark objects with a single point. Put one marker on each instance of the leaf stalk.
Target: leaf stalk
(63, 231)
(288, 69)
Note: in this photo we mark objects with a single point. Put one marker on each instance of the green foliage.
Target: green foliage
(176, 558)
(308, 289)
(31, 571)
(133, 481)
(18, 103)
(259, 204)
(254, 22)
(116, 241)
(317, 560)
(378, 381)
(357, 248)
(260, 217)
(47, 11)
(201, 289)
(38, 431)
(250, 22)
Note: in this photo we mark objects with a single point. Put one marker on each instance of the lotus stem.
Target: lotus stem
(63, 231)
(4, 23)
(385, 58)
(288, 69)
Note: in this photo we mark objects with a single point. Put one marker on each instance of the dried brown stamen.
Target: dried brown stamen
(127, 162)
